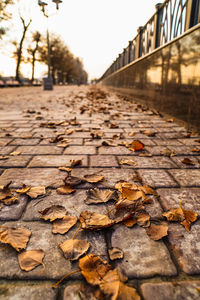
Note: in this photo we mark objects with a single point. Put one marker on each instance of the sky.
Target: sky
(94, 30)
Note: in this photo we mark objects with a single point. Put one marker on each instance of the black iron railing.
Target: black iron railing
(171, 19)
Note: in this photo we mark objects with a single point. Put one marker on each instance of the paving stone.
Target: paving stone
(33, 177)
(103, 161)
(56, 160)
(157, 178)
(80, 150)
(73, 203)
(25, 142)
(167, 142)
(190, 141)
(6, 150)
(184, 150)
(119, 150)
(37, 150)
(185, 290)
(159, 162)
(27, 291)
(186, 177)
(4, 141)
(189, 198)
(13, 212)
(186, 246)
(143, 257)
(16, 161)
(56, 266)
(72, 141)
(195, 159)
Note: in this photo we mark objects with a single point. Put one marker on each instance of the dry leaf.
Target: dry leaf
(147, 190)
(195, 149)
(15, 153)
(136, 145)
(157, 232)
(16, 237)
(10, 201)
(190, 217)
(53, 212)
(168, 152)
(96, 134)
(24, 189)
(30, 259)
(130, 162)
(99, 196)
(65, 190)
(65, 169)
(143, 219)
(149, 133)
(36, 191)
(92, 220)
(4, 157)
(131, 194)
(93, 268)
(115, 253)
(72, 180)
(63, 225)
(108, 143)
(132, 133)
(73, 249)
(170, 120)
(130, 222)
(113, 288)
(188, 161)
(74, 163)
(93, 178)
(145, 155)
(69, 131)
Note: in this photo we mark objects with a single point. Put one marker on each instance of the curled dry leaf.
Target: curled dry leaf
(157, 232)
(16, 237)
(74, 163)
(131, 194)
(188, 161)
(195, 149)
(63, 225)
(15, 153)
(168, 152)
(92, 220)
(4, 157)
(5, 191)
(65, 190)
(53, 212)
(115, 253)
(73, 249)
(30, 259)
(99, 196)
(93, 268)
(24, 189)
(149, 133)
(130, 222)
(36, 191)
(93, 178)
(69, 131)
(72, 180)
(143, 219)
(65, 169)
(112, 287)
(136, 145)
(10, 201)
(130, 162)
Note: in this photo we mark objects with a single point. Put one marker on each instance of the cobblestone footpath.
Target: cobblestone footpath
(167, 269)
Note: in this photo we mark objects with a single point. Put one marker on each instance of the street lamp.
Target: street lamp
(48, 82)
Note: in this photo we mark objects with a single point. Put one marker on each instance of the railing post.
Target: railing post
(129, 51)
(192, 13)
(124, 57)
(156, 34)
(139, 42)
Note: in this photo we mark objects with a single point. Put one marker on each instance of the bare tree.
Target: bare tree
(36, 38)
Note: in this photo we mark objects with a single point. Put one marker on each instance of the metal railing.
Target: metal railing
(171, 19)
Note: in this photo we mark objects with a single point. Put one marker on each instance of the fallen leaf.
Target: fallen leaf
(53, 212)
(113, 288)
(93, 178)
(96, 134)
(74, 163)
(10, 201)
(149, 133)
(143, 219)
(188, 161)
(147, 190)
(5, 191)
(72, 180)
(65, 169)
(132, 133)
(4, 157)
(30, 259)
(36, 191)
(73, 249)
(115, 253)
(157, 232)
(195, 149)
(170, 120)
(24, 189)
(69, 131)
(94, 221)
(136, 145)
(93, 268)
(63, 225)
(130, 222)
(16, 237)
(131, 194)
(190, 217)
(99, 196)
(15, 153)
(130, 162)
(145, 155)
(65, 189)
(168, 152)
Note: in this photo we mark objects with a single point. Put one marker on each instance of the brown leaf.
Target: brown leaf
(63, 225)
(131, 194)
(65, 169)
(30, 259)
(10, 201)
(92, 220)
(115, 253)
(53, 212)
(190, 217)
(130, 222)
(132, 133)
(99, 196)
(36, 191)
(15, 153)
(65, 190)
(24, 189)
(147, 190)
(69, 131)
(149, 133)
(73, 249)
(72, 180)
(168, 152)
(93, 268)
(16, 237)
(96, 134)
(93, 178)
(157, 232)
(195, 149)
(113, 288)
(74, 163)
(136, 145)
(188, 161)
(175, 214)
(4, 157)
(130, 162)
(143, 219)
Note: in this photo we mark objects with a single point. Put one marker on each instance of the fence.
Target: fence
(171, 19)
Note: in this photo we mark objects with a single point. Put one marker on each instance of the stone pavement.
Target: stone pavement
(29, 119)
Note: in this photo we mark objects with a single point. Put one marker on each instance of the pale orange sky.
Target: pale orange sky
(94, 30)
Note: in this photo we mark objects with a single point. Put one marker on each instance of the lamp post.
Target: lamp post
(48, 82)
